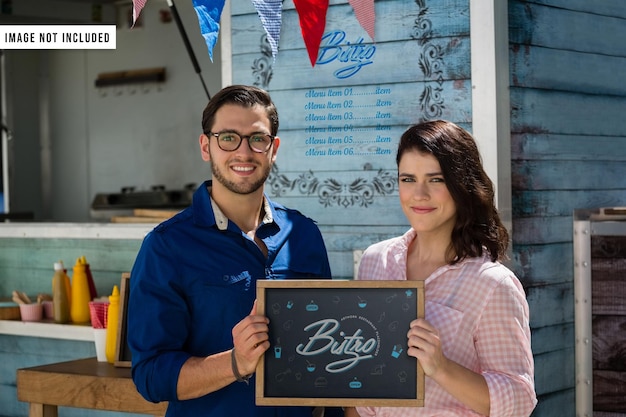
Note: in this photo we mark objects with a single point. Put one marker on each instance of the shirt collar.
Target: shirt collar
(222, 221)
(407, 238)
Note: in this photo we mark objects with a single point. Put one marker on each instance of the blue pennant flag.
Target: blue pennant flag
(209, 13)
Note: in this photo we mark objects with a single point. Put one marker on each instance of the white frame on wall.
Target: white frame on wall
(491, 109)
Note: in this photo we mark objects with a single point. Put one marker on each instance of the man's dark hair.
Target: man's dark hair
(241, 95)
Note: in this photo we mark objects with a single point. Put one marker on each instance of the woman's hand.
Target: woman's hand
(425, 345)
(465, 385)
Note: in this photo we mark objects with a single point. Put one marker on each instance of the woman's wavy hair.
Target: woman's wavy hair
(478, 226)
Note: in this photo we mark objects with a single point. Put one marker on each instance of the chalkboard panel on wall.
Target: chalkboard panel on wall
(339, 343)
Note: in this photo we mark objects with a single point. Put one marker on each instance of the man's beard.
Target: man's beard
(245, 188)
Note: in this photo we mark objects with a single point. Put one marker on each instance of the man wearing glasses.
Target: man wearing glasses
(193, 330)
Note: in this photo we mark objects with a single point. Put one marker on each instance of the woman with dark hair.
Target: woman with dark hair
(474, 343)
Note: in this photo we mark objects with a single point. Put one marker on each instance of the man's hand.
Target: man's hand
(250, 340)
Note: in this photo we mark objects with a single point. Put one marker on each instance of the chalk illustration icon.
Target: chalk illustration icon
(362, 303)
(276, 309)
(397, 350)
(281, 376)
(310, 366)
(389, 299)
(355, 384)
(278, 349)
(312, 306)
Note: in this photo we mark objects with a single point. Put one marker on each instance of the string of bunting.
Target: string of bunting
(311, 13)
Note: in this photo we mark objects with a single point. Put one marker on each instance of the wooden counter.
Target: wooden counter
(83, 383)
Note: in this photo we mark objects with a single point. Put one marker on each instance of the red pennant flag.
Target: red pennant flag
(365, 14)
(138, 5)
(312, 14)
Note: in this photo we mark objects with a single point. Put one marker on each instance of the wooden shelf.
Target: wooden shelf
(75, 230)
(47, 329)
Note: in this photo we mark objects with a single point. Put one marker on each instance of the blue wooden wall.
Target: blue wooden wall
(568, 150)
(568, 142)
(567, 136)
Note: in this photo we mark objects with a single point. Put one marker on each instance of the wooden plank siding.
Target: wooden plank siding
(26, 264)
(608, 271)
(567, 138)
(568, 151)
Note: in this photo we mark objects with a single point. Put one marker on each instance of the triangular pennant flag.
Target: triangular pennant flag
(365, 14)
(312, 14)
(270, 12)
(138, 5)
(209, 13)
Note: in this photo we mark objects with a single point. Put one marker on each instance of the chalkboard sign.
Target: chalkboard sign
(122, 351)
(339, 343)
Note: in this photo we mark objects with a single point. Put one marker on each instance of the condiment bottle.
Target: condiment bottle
(93, 293)
(79, 305)
(112, 322)
(67, 284)
(60, 303)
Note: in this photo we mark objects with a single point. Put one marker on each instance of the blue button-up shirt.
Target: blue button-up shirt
(193, 280)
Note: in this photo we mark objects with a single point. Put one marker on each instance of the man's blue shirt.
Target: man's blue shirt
(192, 283)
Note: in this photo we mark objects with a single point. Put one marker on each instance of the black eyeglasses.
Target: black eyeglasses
(231, 141)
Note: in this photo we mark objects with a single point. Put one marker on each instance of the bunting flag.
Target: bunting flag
(365, 14)
(209, 13)
(137, 7)
(312, 14)
(270, 13)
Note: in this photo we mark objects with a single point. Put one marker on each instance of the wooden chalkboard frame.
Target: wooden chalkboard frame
(122, 351)
(268, 290)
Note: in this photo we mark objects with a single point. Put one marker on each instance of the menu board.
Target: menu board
(347, 122)
(339, 343)
(341, 119)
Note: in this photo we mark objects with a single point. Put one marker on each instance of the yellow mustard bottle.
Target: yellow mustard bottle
(60, 303)
(113, 314)
(79, 304)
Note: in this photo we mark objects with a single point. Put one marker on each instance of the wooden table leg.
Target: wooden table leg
(43, 410)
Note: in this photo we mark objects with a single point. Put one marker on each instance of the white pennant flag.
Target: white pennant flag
(270, 12)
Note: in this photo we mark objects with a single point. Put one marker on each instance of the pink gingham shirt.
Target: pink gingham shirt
(480, 310)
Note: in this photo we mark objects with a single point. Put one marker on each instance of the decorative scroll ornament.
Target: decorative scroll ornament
(262, 69)
(431, 64)
(330, 192)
